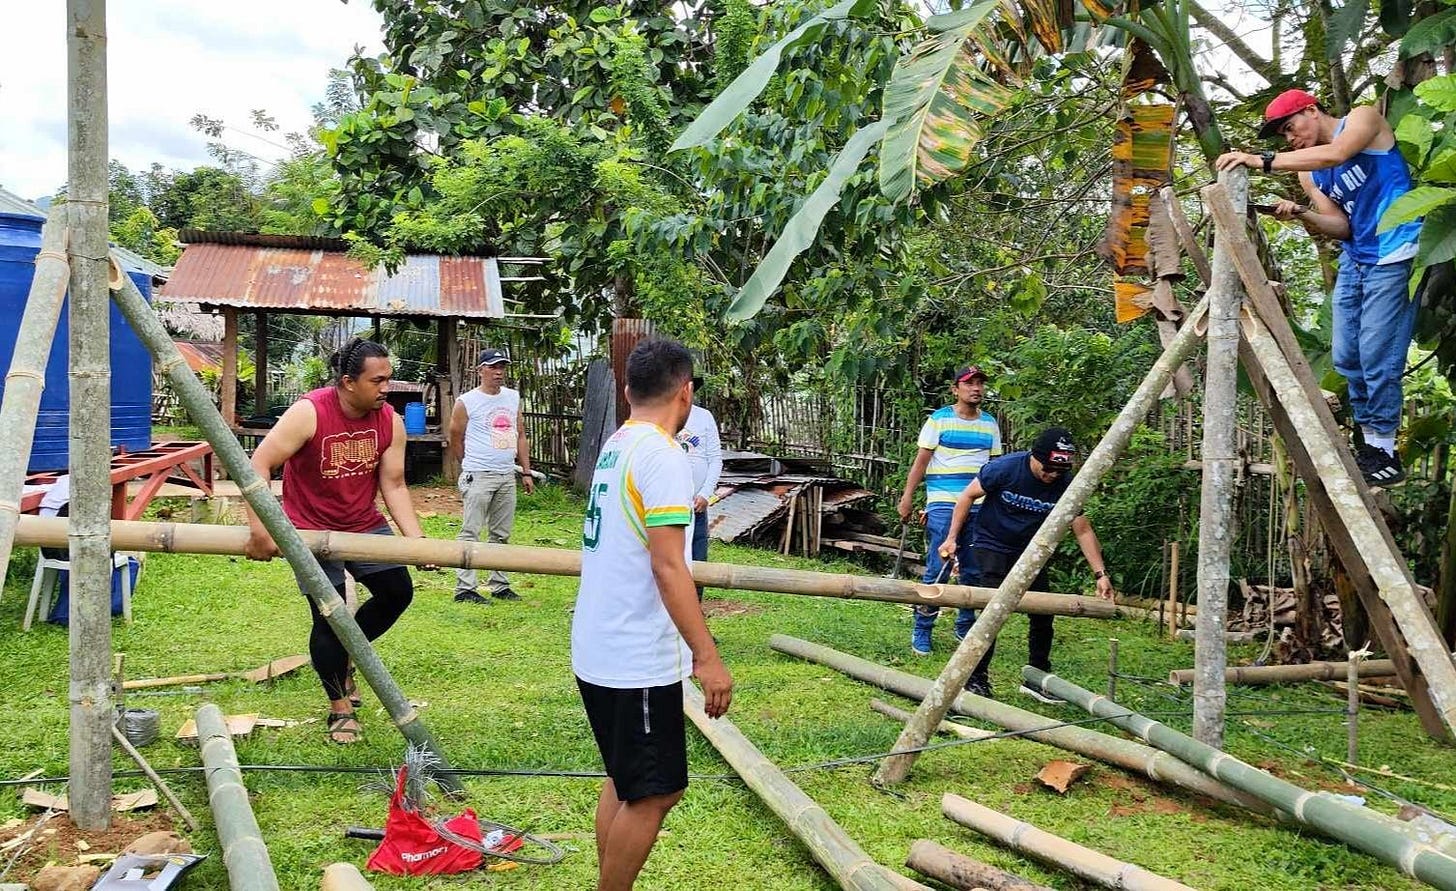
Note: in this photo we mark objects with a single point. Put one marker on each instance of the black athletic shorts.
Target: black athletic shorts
(641, 735)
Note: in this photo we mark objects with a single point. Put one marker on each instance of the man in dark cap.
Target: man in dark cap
(1019, 490)
(1352, 172)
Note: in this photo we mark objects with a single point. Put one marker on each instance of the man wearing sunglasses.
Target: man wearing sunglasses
(1018, 491)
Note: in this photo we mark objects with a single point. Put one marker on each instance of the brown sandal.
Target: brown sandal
(343, 728)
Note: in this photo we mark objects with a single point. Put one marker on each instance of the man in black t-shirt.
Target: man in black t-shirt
(1020, 489)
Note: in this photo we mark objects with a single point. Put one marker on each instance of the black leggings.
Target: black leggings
(390, 593)
(994, 566)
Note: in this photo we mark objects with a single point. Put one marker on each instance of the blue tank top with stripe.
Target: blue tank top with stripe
(1364, 187)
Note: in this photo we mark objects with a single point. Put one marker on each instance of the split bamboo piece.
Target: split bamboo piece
(1343, 822)
(1070, 856)
(1123, 753)
(959, 871)
(243, 851)
(1255, 675)
(829, 845)
(229, 540)
(954, 729)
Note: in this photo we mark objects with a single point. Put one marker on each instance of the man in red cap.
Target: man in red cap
(1352, 171)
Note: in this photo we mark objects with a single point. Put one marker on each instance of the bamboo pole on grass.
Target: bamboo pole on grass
(1329, 815)
(91, 712)
(959, 871)
(830, 846)
(310, 575)
(954, 729)
(988, 623)
(243, 851)
(1255, 675)
(1123, 753)
(1085, 863)
(25, 380)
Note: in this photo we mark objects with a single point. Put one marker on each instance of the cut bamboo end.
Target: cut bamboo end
(959, 871)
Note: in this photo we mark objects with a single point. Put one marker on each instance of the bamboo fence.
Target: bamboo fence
(243, 851)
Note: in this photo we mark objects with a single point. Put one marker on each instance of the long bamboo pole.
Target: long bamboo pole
(1334, 818)
(25, 380)
(229, 540)
(1254, 675)
(91, 710)
(988, 623)
(198, 402)
(243, 851)
(830, 846)
(1086, 863)
(959, 871)
(1130, 756)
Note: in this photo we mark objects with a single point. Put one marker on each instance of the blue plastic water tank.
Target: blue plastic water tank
(131, 363)
(414, 418)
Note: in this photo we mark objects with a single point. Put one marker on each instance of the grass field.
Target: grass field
(494, 684)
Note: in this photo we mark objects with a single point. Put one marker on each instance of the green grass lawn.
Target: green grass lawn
(495, 686)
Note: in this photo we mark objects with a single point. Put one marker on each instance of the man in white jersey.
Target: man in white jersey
(487, 434)
(704, 447)
(637, 630)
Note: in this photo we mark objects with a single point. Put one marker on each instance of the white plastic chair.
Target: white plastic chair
(48, 575)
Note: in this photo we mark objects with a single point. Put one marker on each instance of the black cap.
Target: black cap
(1055, 449)
(492, 357)
(967, 372)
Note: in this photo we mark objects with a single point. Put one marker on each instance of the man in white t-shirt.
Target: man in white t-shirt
(487, 434)
(700, 440)
(637, 631)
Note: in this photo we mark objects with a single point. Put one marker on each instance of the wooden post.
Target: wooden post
(1446, 580)
(959, 871)
(228, 398)
(92, 713)
(243, 851)
(1172, 589)
(260, 364)
(450, 385)
(1112, 668)
(599, 419)
(1352, 706)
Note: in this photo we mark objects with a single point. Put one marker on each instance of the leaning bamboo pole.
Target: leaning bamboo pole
(988, 623)
(830, 846)
(229, 540)
(243, 851)
(1340, 821)
(1085, 863)
(1128, 755)
(959, 871)
(310, 575)
(1254, 675)
(25, 380)
(87, 192)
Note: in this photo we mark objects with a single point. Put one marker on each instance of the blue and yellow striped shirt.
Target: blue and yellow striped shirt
(961, 447)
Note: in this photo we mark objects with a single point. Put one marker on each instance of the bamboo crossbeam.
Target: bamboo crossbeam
(243, 851)
(197, 538)
(830, 845)
(1255, 675)
(1080, 861)
(1128, 755)
(959, 871)
(1340, 821)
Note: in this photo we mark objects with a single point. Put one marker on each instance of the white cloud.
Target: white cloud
(167, 61)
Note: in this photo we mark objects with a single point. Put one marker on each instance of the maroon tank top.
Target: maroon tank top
(330, 483)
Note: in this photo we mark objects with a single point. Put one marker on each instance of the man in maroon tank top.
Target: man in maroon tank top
(339, 446)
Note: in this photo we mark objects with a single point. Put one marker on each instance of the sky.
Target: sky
(167, 61)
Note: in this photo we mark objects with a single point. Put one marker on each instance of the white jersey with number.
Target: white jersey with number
(621, 634)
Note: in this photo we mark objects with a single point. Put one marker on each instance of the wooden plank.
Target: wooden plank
(230, 366)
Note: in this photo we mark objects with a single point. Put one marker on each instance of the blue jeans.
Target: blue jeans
(937, 526)
(700, 541)
(1373, 317)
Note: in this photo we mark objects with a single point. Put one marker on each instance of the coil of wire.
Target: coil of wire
(140, 726)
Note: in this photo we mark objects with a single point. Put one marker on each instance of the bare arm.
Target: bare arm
(1364, 128)
(523, 454)
(289, 435)
(455, 436)
(1092, 550)
(1324, 216)
(958, 516)
(680, 598)
(912, 482)
(392, 485)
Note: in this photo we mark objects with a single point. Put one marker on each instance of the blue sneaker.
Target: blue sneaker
(920, 641)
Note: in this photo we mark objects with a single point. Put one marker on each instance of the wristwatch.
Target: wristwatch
(1268, 159)
(1100, 574)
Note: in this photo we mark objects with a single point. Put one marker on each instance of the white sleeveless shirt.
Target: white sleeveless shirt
(490, 430)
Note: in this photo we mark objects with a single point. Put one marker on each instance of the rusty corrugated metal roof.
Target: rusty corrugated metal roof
(289, 279)
(200, 355)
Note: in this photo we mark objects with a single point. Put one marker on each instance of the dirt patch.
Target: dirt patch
(1139, 798)
(433, 500)
(58, 841)
(718, 608)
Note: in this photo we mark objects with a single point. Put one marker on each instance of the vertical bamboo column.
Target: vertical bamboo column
(26, 378)
(243, 851)
(310, 575)
(90, 421)
(983, 633)
(1215, 505)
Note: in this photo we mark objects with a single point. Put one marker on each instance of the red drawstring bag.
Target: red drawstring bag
(412, 847)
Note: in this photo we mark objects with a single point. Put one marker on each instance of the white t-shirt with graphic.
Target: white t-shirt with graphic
(490, 430)
(700, 440)
(621, 634)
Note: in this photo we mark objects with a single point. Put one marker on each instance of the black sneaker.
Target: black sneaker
(469, 597)
(1380, 468)
(980, 687)
(505, 594)
(1039, 696)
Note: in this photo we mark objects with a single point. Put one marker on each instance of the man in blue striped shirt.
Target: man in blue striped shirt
(955, 442)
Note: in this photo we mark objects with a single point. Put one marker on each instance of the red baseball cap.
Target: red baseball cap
(967, 372)
(1285, 105)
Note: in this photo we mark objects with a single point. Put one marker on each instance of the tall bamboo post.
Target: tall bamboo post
(988, 623)
(1220, 463)
(310, 575)
(90, 418)
(830, 846)
(1343, 822)
(243, 851)
(26, 378)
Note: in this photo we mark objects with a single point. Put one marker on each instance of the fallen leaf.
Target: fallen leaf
(1058, 775)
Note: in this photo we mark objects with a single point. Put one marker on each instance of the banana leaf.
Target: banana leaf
(1142, 158)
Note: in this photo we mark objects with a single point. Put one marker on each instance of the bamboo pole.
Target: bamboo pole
(91, 712)
(1085, 863)
(959, 871)
(310, 575)
(1172, 615)
(344, 877)
(243, 851)
(1256, 675)
(1130, 756)
(25, 380)
(830, 846)
(229, 540)
(1340, 821)
(954, 729)
(983, 633)
(1352, 706)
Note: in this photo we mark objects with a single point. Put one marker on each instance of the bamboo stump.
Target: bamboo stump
(959, 871)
